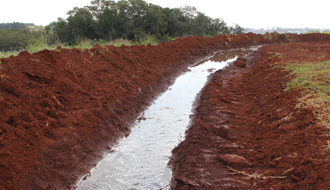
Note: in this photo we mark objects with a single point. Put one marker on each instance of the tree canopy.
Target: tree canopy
(135, 19)
(14, 25)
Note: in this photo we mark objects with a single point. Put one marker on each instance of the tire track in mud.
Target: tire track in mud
(247, 133)
(214, 126)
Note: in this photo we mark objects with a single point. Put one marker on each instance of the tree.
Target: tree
(82, 23)
(16, 39)
(203, 25)
(123, 18)
(50, 28)
(237, 30)
(176, 23)
(137, 13)
(190, 13)
(14, 25)
(109, 23)
(218, 27)
(155, 21)
(97, 7)
(64, 32)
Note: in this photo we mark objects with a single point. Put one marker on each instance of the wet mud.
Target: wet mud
(140, 160)
(247, 133)
(62, 110)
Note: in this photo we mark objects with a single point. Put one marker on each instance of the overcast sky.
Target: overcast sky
(252, 13)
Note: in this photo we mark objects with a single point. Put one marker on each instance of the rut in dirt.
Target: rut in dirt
(249, 133)
(140, 160)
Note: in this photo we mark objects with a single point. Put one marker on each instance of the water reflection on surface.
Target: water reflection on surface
(140, 160)
(229, 54)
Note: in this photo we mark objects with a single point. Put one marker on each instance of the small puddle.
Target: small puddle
(140, 160)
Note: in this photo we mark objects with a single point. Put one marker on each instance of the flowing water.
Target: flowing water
(140, 160)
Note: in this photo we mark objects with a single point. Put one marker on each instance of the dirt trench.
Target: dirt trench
(248, 133)
(61, 110)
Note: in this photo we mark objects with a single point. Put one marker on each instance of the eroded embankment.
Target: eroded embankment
(247, 133)
(61, 110)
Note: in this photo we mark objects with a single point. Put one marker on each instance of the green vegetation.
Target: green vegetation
(314, 31)
(276, 54)
(326, 32)
(36, 45)
(134, 20)
(14, 25)
(33, 27)
(17, 39)
(319, 31)
(18, 25)
(8, 54)
(313, 80)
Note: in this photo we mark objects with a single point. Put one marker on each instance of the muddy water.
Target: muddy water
(140, 160)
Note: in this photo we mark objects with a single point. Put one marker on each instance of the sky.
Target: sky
(251, 14)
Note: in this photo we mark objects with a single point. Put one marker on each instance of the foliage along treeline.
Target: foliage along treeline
(17, 39)
(135, 19)
(15, 25)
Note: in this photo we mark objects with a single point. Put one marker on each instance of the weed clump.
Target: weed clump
(312, 79)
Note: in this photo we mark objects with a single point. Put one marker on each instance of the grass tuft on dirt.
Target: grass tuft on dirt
(312, 79)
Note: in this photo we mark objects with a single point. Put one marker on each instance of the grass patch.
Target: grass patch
(275, 54)
(313, 81)
(147, 40)
(36, 45)
(4, 54)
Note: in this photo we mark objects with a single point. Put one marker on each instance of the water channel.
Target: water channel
(140, 160)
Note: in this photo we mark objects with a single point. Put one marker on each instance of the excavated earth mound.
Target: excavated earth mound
(248, 133)
(61, 110)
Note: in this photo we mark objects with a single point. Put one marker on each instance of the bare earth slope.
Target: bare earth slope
(62, 110)
(247, 133)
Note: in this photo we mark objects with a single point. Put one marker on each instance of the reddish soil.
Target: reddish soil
(62, 110)
(247, 133)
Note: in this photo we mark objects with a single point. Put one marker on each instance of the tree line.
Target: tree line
(135, 19)
(106, 20)
(15, 25)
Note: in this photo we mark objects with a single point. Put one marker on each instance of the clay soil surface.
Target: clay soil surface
(62, 110)
(248, 133)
